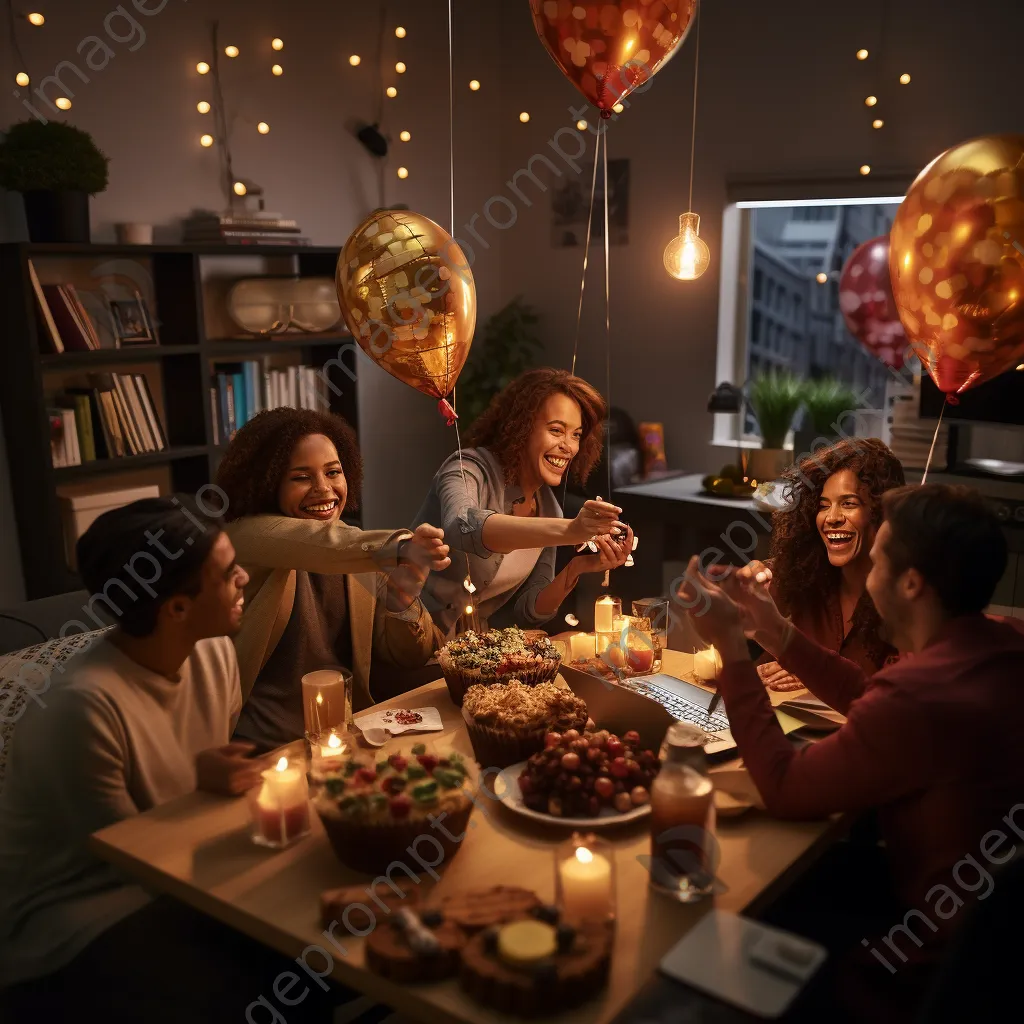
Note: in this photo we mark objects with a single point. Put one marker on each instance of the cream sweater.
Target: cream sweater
(113, 740)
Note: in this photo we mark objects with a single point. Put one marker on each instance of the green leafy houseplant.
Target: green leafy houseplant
(505, 348)
(52, 157)
(775, 398)
(825, 401)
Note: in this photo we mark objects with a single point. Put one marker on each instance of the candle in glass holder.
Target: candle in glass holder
(280, 811)
(706, 665)
(329, 751)
(585, 879)
(326, 700)
(582, 646)
(606, 610)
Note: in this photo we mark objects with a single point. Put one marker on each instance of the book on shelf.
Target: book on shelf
(240, 391)
(248, 238)
(69, 325)
(112, 418)
(262, 221)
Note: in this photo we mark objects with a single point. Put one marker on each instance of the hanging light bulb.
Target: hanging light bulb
(36, 19)
(277, 70)
(263, 127)
(581, 125)
(276, 43)
(391, 91)
(400, 67)
(63, 102)
(239, 188)
(400, 32)
(405, 136)
(474, 85)
(687, 255)
(203, 107)
(203, 68)
(877, 123)
(904, 79)
(21, 78)
(403, 172)
(862, 54)
(821, 277)
(206, 141)
(230, 51)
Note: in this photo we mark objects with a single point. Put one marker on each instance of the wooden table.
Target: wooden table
(197, 849)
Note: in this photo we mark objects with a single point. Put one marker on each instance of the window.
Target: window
(788, 244)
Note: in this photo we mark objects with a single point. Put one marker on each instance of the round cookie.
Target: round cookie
(394, 952)
(481, 908)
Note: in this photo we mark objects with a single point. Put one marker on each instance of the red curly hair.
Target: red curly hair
(803, 578)
(505, 426)
(258, 456)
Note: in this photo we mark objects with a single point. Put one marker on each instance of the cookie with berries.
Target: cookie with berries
(374, 811)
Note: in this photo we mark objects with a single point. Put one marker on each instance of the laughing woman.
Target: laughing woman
(820, 552)
(499, 511)
(318, 593)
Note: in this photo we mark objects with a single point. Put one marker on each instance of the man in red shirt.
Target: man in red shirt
(931, 741)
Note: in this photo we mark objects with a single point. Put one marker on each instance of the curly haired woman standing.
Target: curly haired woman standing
(498, 507)
(820, 552)
(321, 592)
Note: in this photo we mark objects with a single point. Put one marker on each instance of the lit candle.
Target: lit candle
(606, 610)
(582, 646)
(281, 810)
(706, 665)
(326, 701)
(334, 748)
(586, 886)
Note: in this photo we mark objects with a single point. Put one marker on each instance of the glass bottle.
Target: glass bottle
(683, 846)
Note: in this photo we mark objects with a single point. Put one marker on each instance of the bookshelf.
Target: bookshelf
(183, 286)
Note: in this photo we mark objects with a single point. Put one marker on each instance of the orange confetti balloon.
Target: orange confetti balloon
(607, 49)
(956, 259)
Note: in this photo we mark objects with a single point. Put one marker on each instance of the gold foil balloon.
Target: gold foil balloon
(607, 48)
(957, 272)
(407, 294)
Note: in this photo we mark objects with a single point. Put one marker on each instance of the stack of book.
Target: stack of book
(243, 229)
(241, 390)
(112, 418)
(69, 328)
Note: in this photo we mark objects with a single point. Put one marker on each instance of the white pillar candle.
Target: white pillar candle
(282, 807)
(586, 886)
(606, 609)
(706, 665)
(582, 646)
(326, 701)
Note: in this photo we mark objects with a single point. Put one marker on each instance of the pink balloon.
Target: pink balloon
(867, 304)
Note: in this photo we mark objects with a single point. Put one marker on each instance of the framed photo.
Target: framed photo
(131, 321)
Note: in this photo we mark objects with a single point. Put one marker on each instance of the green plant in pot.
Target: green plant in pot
(825, 401)
(506, 346)
(56, 167)
(774, 399)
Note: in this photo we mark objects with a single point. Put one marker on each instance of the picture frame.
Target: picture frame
(132, 323)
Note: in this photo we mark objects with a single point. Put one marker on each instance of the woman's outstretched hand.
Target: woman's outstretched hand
(596, 519)
(424, 552)
(611, 553)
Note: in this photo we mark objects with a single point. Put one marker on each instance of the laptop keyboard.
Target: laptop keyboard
(683, 710)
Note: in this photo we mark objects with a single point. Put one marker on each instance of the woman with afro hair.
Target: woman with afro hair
(820, 552)
(320, 592)
(498, 508)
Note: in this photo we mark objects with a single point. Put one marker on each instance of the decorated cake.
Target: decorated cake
(507, 722)
(586, 774)
(372, 811)
(495, 657)
(537, 965)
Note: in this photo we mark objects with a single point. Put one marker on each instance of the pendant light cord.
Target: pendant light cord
(693, 130)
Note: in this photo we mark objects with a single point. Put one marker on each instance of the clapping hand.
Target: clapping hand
(719, 622)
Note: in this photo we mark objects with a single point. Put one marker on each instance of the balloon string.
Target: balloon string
(693, 130)
(935, 437)
(586, 248)
(451, 115)
(607, 319)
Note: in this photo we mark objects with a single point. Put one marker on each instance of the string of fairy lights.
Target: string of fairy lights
(22, 77)
(871, 101)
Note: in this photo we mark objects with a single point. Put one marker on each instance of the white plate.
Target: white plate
(506, 789)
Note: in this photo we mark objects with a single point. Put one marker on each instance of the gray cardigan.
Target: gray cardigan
(460, 499)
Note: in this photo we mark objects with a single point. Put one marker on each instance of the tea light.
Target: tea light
(706, 665)
(332, 749)
(606, 610)
(582, 646)
(280, 812)
(585, 879)
(326, 701)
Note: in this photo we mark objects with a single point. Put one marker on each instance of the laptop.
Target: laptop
(687, 703)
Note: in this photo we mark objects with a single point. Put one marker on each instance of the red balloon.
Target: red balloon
(867, 303)
(607, 48)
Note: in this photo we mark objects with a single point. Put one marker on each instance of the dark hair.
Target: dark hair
(951, 536)
(802, 574)
(257, 458)
(134, 558)
(505, 426)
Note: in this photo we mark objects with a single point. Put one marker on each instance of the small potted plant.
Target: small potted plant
(775, 399)
(825, 401)
(56, 167)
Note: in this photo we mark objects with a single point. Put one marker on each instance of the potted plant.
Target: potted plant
(825, 401)
(774, 399)
(56, 167)
(506, 347)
